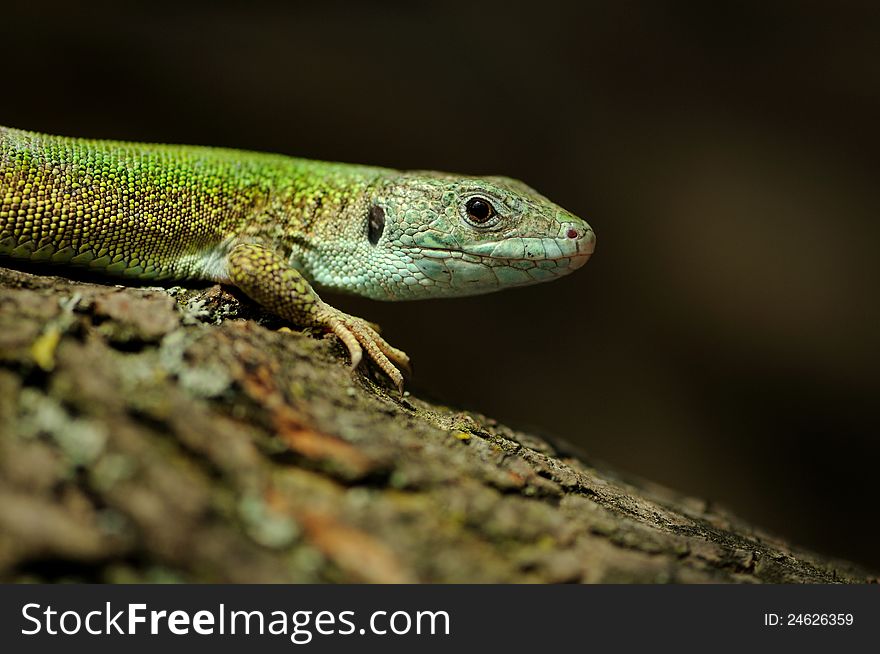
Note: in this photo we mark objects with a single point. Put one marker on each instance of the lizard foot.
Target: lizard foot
(358, 335)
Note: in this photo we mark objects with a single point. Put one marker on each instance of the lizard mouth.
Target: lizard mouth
(470, 256)
(578, 243)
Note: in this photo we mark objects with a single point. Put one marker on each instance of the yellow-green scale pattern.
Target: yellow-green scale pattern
(278, 227)
(150, 211)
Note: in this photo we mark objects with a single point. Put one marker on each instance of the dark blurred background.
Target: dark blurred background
(725, 338)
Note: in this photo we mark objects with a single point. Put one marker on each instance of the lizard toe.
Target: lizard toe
(358, 335)
(344, 334)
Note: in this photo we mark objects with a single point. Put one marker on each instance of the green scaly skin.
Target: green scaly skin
(274, 226)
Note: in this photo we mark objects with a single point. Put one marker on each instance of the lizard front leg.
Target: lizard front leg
(269, 280)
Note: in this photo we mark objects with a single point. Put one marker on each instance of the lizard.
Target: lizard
(279, 228)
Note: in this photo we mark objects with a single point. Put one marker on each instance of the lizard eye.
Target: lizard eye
(479, 211)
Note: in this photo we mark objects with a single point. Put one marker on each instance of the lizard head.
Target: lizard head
(428, 235)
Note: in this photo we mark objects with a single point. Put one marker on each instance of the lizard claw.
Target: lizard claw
(358, 335)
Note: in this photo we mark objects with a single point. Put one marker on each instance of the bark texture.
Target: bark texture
(181, 435)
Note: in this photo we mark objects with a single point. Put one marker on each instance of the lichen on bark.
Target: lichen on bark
(182, 435)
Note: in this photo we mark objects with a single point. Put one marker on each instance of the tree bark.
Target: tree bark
(182, 435)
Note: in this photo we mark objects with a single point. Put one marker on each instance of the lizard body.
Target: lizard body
(275, 226)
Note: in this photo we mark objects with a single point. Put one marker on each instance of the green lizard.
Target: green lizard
(274, 226)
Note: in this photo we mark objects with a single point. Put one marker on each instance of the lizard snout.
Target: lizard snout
(582, 234)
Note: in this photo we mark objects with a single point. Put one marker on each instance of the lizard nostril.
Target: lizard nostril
(571, 233)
